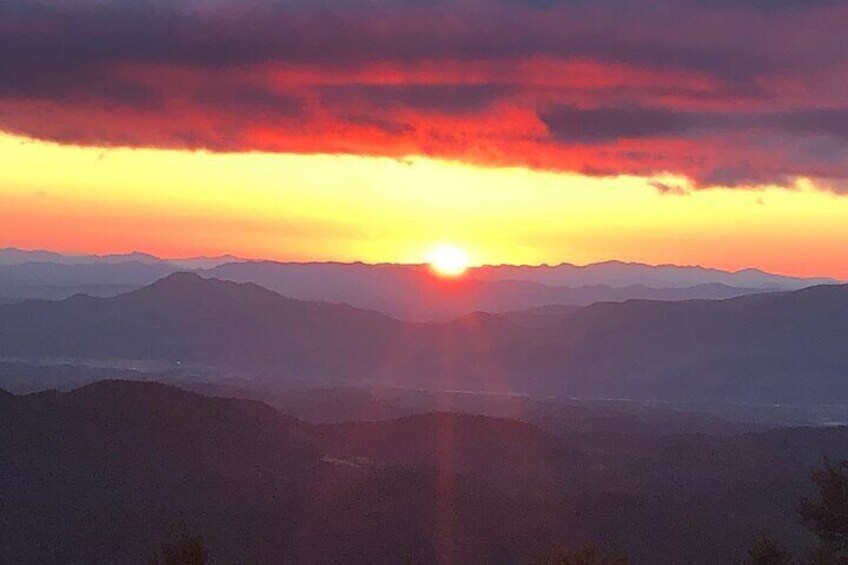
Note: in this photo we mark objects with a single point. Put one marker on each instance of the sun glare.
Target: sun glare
(448, 260)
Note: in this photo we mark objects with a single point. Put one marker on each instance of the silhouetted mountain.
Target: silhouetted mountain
(409, 292)
(770, 347)
(621, 274)
(99, 475)
(14, 256)
(104, 473)
(192, 320)
(116, 464)
(498, 450)
(782, 346)
(412, 292)
(203, 262)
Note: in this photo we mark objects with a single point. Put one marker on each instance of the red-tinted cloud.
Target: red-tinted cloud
(726, 93)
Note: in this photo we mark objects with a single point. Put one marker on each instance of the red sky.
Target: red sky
(685, 95)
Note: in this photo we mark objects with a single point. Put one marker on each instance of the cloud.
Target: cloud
(827, 122)
(598, 125)
(248, 99)
(671, 189)
(700, 88)
(439, 98)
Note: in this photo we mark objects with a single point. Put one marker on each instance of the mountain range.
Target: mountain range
(16, 256)
(410, 292)
(772, 347)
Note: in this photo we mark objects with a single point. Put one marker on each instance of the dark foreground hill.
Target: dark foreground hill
(104, 473)
(765, 348)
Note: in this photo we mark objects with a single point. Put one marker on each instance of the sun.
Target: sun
(448, 260)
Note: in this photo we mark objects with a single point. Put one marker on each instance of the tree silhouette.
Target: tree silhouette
(827, 515)
(765, 551)
(186, 549)
(825, 555)
(586, 556)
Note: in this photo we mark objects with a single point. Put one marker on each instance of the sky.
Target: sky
(705, 132)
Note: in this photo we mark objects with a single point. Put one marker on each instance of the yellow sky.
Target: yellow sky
(325, 207)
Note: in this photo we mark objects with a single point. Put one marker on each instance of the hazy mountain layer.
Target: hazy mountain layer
(769, 347)
(414, 293)
(409, 292)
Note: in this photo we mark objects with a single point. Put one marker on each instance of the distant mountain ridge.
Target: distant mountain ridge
(765, 347)
(621, 273)
(16, 256)
(612, 273)
(413, 293)
(409, 292)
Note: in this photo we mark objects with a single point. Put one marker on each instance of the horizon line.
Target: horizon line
(544, 265)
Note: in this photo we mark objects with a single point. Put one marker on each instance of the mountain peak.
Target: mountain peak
(188, 285)
(182, 277)
(178, 281)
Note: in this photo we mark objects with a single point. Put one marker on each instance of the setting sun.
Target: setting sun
(448, 260)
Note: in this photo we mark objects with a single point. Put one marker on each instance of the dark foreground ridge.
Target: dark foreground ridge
(105, 473)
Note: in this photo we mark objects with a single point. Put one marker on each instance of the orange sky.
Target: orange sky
(321, 207)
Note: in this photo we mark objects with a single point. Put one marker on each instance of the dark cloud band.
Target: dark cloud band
(731, 93)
